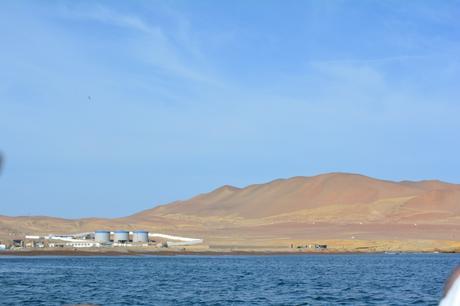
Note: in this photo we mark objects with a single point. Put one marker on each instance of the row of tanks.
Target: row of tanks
(121, 237)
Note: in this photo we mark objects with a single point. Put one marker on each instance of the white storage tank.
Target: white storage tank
(141, 236)
(102, 236)
(121, 236)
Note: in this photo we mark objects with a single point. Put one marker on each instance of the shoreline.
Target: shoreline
(124, 253)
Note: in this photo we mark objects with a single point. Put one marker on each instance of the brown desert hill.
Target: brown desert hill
(15, 227)
(347, 194)
(338, 206)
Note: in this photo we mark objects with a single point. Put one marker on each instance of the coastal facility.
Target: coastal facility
(103, 238)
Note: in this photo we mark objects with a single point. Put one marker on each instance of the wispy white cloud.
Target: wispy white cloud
(386, 59)
(105, 15)
(173, 53)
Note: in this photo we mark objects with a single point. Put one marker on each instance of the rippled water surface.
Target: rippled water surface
(219, 280)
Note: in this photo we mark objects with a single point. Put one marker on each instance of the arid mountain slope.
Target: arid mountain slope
(335, 196)
(330, 206)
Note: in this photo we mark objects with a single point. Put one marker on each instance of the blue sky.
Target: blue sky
(190, 95)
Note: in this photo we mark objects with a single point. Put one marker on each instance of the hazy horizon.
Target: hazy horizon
(109, 108)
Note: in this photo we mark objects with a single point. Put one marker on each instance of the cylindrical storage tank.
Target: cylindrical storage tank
(121, 236)
(102, 236)
(140, 236)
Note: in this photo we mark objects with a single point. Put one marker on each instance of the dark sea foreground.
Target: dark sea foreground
(378, 279)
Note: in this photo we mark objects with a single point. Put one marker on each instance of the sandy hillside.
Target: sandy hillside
(335, 206)
(330, 198)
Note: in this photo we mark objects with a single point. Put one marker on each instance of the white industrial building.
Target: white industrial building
(104, 238)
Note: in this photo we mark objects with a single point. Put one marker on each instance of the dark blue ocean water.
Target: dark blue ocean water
(226, 280)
